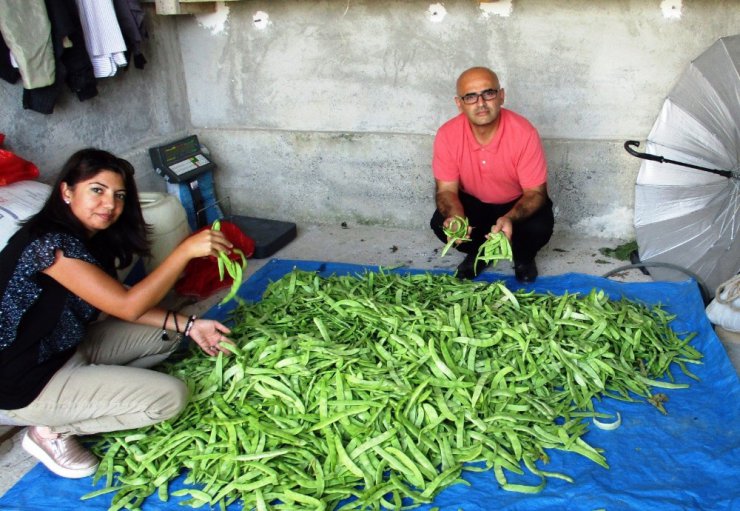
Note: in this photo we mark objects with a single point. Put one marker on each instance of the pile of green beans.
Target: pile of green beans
(456, 231)
(377, 390)
(496, 248)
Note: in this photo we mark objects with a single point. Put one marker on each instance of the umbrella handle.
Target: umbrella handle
(644, 156)
(655, 157)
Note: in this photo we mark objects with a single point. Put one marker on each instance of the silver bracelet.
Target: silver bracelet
(189, 325)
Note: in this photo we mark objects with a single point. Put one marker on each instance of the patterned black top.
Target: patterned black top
(41, 322)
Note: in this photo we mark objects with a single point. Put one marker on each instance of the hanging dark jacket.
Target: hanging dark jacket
(74, 67)
(7, 71)
(131, 20)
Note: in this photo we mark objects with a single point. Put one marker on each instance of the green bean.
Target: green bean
(234, 269)
(387, 387)
(456, 232)
(496, 248)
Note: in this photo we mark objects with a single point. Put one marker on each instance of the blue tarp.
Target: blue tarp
(686, 460)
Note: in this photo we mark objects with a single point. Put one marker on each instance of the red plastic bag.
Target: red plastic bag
(200, 278)
(14, 168)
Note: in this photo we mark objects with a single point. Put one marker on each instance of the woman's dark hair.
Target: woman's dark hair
(115, 245)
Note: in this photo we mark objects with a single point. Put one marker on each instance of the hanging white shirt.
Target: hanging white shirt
(103, 37)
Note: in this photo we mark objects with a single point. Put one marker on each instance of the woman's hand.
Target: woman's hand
(206, 243)
(208, 334)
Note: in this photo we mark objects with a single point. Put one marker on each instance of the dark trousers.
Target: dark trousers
(530, 235)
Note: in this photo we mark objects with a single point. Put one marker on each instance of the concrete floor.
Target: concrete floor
(374, 246)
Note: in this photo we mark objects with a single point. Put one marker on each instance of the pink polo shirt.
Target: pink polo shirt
(495, 173)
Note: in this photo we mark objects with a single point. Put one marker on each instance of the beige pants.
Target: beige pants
(105, 386)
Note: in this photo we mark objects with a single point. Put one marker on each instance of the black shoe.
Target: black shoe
(525, 272)
(467, 269)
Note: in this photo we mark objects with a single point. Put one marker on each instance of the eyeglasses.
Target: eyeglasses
(472, 97)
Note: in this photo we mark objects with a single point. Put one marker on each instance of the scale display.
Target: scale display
(180, 161)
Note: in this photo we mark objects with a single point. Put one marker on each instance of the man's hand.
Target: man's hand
(448, 203)
(505, 225)
(531, 200)
(446, 226)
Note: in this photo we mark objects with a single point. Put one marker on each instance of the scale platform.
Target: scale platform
(269, 235)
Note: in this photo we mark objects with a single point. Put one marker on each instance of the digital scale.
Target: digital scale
(180, 161)
(183, 162)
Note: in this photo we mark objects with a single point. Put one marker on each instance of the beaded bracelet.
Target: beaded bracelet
(189, 325)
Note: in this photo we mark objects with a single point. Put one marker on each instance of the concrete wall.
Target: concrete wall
(133, 110)
(325, 111)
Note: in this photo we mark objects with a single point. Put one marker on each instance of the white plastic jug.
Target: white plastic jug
(169, 225)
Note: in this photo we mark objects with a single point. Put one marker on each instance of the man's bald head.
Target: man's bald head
(475, 73)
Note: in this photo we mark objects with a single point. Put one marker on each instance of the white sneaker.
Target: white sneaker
(62, 455)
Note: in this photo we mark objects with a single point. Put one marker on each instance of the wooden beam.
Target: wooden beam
(184, 6)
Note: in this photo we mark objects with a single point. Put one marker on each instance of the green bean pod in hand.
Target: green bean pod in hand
(456, 232)
(233, 268)
(496, 248)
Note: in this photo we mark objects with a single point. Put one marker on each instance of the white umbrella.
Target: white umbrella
(687, 199)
